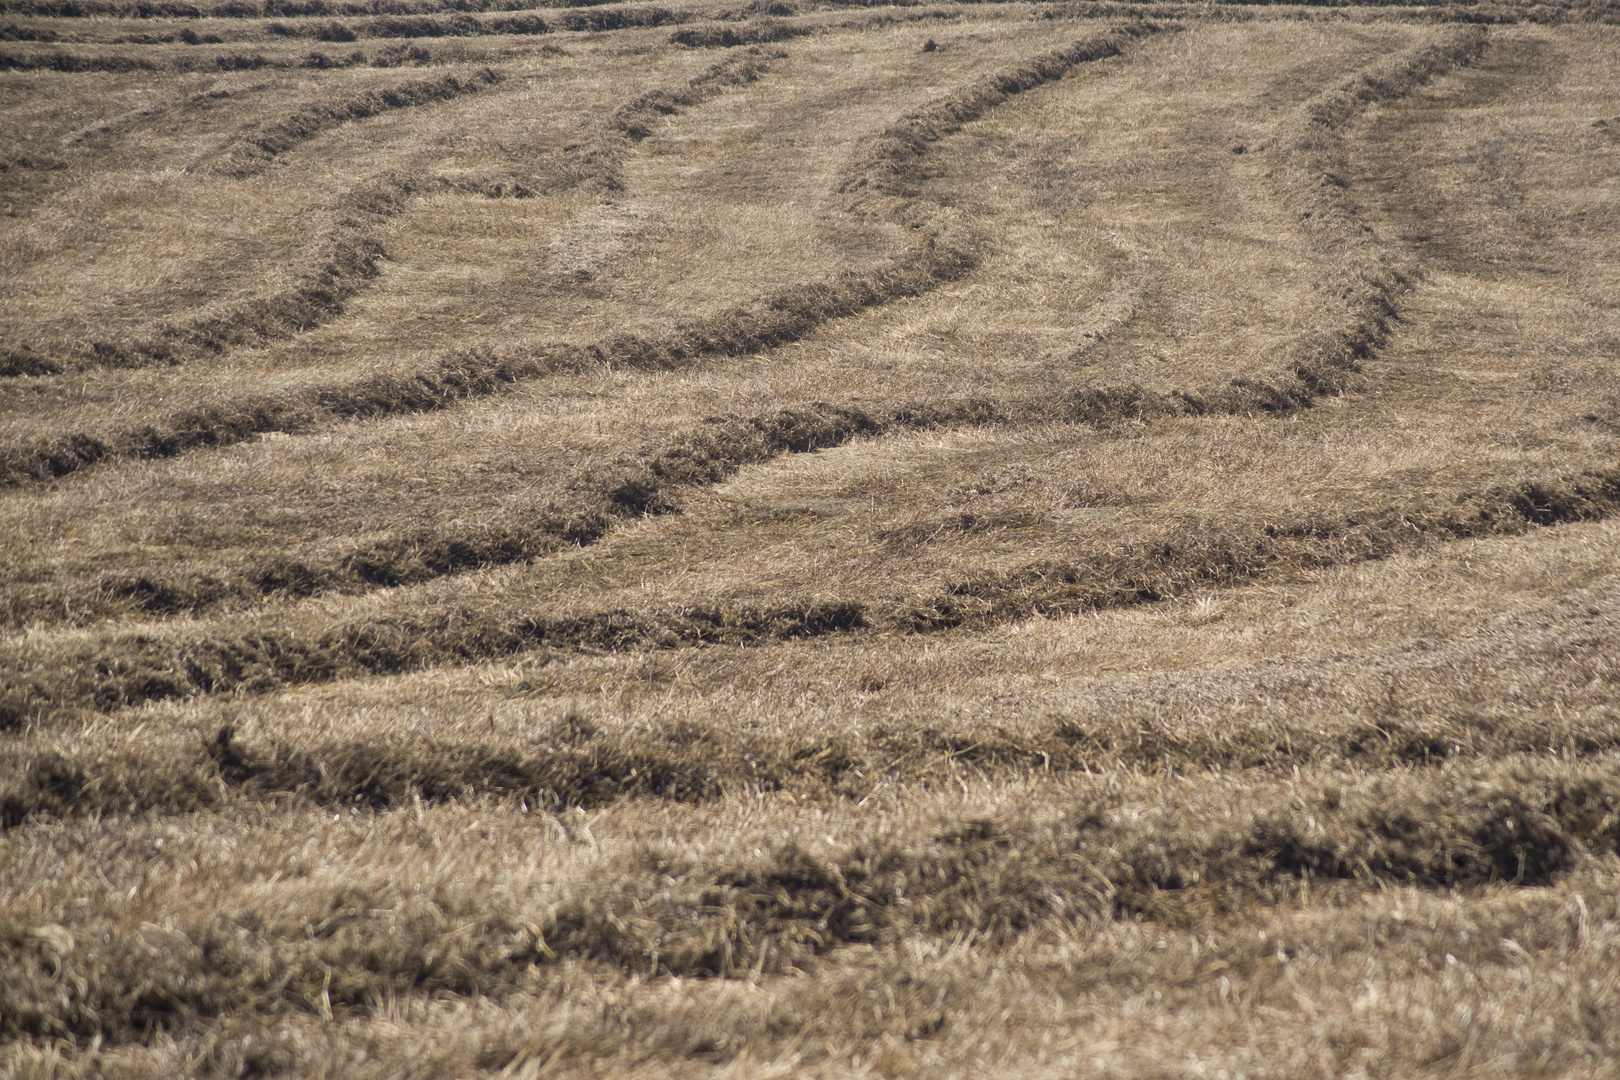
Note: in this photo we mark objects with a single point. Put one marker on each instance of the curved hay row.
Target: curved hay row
(332, 32)
(348, 261)
(636, 485)
(646, 483)
(652, 481)
(799, 856)
(343, 263)
(1333, 719)
(261, 147)
(710, 454)
(742, 908)
(1307, 154)
(202, 56)
(407, 632)
(260, 9)
(785, 316)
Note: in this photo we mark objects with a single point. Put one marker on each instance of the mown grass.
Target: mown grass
(994, 539)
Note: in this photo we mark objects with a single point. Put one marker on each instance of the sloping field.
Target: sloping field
(809, 539)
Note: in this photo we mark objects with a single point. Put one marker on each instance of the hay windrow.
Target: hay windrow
(260, 148)
(350, 259)
(891, 168)
(1325, 364)
(344, 264)
(649, 482)
(784, 317)
(1103, 695)
(946, 255)
(728, 37)
(1311, 163)
(790, 906)
(352, 28)
(581, 762)
(242, 9)
(122, 670)
(395, 55)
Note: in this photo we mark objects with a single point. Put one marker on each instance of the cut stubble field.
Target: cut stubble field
(809, 539)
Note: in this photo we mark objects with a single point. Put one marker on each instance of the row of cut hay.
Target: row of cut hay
(413, 558)
(326, 9)
(646, 487)
(259, 148)
(1212, 555)
(640, 487)
(410, 13)
(350, 261)
(1310, 161)
(395, 55)
(457, 25)
(461, 18)
(576, 762)
(171, 33)
(62, 676)
(585, 21)
(343, 265)
(1309, 150)
(1323, 368)
(1312, 145)
(582, 20)
(754, 908)
(892, 166)
(597, 162)
(757, 32)
(1322, 364)
(705, 456)
(594, 20)
(260, 9)
(638, 118)
(1469, 12)
(646, 483)
(784, 317)
(74, 62)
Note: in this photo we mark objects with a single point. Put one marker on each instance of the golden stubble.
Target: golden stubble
(1248, 750)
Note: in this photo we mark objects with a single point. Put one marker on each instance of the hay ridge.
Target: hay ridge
(993, 539)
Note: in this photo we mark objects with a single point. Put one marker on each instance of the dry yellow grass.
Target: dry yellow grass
(794, 540)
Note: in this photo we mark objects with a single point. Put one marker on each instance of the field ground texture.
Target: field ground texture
(1055, 539)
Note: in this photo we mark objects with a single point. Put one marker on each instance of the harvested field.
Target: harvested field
(809, 539)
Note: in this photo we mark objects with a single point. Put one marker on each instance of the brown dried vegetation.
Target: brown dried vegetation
(1069, 539)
